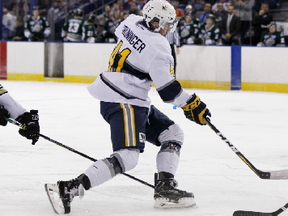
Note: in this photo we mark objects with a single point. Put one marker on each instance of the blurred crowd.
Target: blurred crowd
(200, 22)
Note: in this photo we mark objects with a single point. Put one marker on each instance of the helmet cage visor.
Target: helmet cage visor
(173, 25)
(164, 25)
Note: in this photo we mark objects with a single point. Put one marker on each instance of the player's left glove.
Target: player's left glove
(195, 110)
(30, 121)
(3, 114)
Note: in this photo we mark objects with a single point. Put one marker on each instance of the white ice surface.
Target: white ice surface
(254, 122)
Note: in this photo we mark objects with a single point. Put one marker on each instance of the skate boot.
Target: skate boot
(166, 194)
(66, 191)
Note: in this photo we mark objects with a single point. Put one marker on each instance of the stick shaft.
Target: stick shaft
(263, 175)
(12, 121)
(90, 158)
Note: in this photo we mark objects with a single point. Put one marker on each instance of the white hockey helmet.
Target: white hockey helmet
(162, 12)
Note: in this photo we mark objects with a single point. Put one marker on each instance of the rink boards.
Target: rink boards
(205, 67)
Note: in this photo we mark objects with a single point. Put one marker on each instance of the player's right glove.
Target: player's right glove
(31, 129)
(3, 114)
(195, 110)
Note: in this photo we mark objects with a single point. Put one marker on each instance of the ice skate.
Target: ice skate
(166, 194)
(66, 191)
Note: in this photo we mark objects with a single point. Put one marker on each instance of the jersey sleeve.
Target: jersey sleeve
(27, 29)
(13, 107)
(162, 74)
(47, 29)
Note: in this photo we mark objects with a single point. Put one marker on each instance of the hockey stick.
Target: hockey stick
(252, 213)
(12, 121)
(280, 174)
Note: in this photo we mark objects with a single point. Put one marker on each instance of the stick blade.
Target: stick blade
(279, 175)
(251, 213)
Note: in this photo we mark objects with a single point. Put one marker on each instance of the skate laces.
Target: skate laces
(173, 183)
(169, 186)
(71, 189)
(167, 183)
(74, 189)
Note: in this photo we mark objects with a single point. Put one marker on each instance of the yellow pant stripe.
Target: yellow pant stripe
(129, 125)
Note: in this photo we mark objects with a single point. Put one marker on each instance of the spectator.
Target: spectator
(189, 10)
(126, 14)
(115, 6)
(179, 11)
(205, 13)
(107, 13)
(9, 21)
(282, 30)
(198, 5)
(261, 23)
(43, 8)
(123, 6)
(73, 5)
(36, 27)
(141, 4)
(111, 25)
(88, 34)
(273, 4)
(101, 20)
(100, 34)
(73, 28)
(19, 33)
(220, 14)
(62, 4)
(209, 33)
(58, 12)
(225, 4)
(134, 8)
(188, 30)
(271, 37)
(243, 10)
(231, 28)
(23, 10)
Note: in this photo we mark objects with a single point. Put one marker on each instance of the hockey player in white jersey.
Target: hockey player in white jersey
(142, 56)
(11, 108)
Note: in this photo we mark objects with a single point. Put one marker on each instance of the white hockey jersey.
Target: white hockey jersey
(13, 107)
(140, 58)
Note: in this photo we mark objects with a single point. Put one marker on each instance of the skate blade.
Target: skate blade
(52, 191)
(81, 191)
(164, 203)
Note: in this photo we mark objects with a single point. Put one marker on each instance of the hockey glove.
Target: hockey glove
(3, 114)
(196, 110)
(31, 128)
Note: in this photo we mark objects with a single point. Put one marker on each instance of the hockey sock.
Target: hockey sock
(102, 171)
(168, 157)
